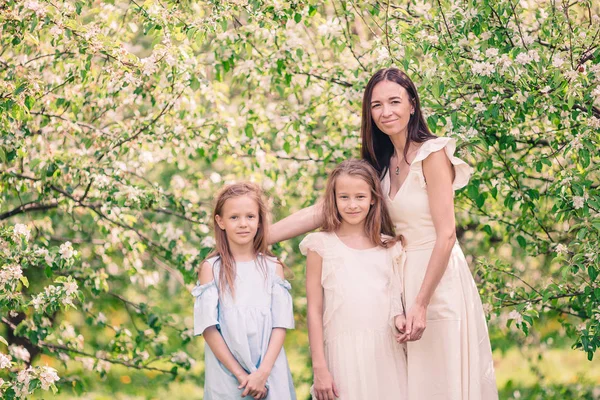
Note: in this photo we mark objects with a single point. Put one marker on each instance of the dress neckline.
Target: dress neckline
(352, 248)
(389, 176)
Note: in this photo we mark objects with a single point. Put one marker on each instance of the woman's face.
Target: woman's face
(391, 108)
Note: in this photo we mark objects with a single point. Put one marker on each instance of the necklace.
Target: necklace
(400, 159)
(397, 171)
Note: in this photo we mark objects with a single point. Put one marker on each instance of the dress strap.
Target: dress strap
(462, 170)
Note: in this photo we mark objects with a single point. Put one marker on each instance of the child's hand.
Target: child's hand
(324, 387)
(254, 385)
(400, 322)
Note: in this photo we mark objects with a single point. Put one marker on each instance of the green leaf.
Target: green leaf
(297, 18)
(522, 242)
(25, 281)
(29, 102)
(592, 272)
(20, 89)
(2, 340)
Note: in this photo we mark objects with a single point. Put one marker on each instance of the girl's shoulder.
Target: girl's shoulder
(317, 242)
(271, 261)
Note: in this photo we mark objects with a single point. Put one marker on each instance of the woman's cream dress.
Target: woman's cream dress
(453, 359)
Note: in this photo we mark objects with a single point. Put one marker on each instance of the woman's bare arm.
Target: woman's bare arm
(439, 175)
(303, 221)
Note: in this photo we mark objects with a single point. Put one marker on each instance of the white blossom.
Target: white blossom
(578, 202)
(48, 376)
(66, 251)
(101, 318)
(21, 230)
(4, 361)
(561, 249)
(523, 58)
(215, 177)
(149, 65)
(56, 31)
(19, 352)
(10, 273)
(42, 252)
(208, 241)
(37, 7)
(87, 363)
(557, 61)
(331, 27)
(70, 287)
(514, 314)
(491, 52)
(483, 68)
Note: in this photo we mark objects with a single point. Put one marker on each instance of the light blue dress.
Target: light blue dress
(245, 322)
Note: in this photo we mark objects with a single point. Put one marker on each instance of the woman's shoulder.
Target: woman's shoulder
(433, 145)
(462, 170)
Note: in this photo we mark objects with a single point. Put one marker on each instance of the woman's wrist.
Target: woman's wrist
(317, 368)
(422, 302)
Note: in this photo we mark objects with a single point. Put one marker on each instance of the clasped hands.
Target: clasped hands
(254, 384)
(412, 325)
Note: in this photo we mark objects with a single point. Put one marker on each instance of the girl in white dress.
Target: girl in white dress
(353, 292)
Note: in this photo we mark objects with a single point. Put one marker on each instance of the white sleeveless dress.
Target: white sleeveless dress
(361, 295)
(453, 359)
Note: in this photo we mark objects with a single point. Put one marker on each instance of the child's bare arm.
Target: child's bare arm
(213, 337)
(258, 379)
(323, 385)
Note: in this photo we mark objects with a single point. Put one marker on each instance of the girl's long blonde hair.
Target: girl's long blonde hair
(227, 271)
(378, 219)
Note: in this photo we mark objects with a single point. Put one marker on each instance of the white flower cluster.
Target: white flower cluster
(4, 361)
(52, 294)
(10, 273)
(21, 231)
(66, 251)
(483, 68)
(47, 376)
(42, 252)
(331, 27)
(19, 352)
(579, 201)
(182, 358)
(526, 58)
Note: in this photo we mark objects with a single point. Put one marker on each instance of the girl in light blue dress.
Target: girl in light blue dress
(243, 305)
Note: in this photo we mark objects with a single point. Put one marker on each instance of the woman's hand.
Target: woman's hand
(254, 385)
(400, 322)
(416, 322)
(324, 387)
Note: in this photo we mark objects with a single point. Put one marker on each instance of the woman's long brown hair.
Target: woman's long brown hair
(378, 219)
(377, 148)
(227, 272)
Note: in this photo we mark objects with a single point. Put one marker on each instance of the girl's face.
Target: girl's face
(239, 219)
(353, 199)
(391, 108)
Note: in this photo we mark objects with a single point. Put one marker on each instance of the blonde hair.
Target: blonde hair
(378, 219)
(227, 271)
